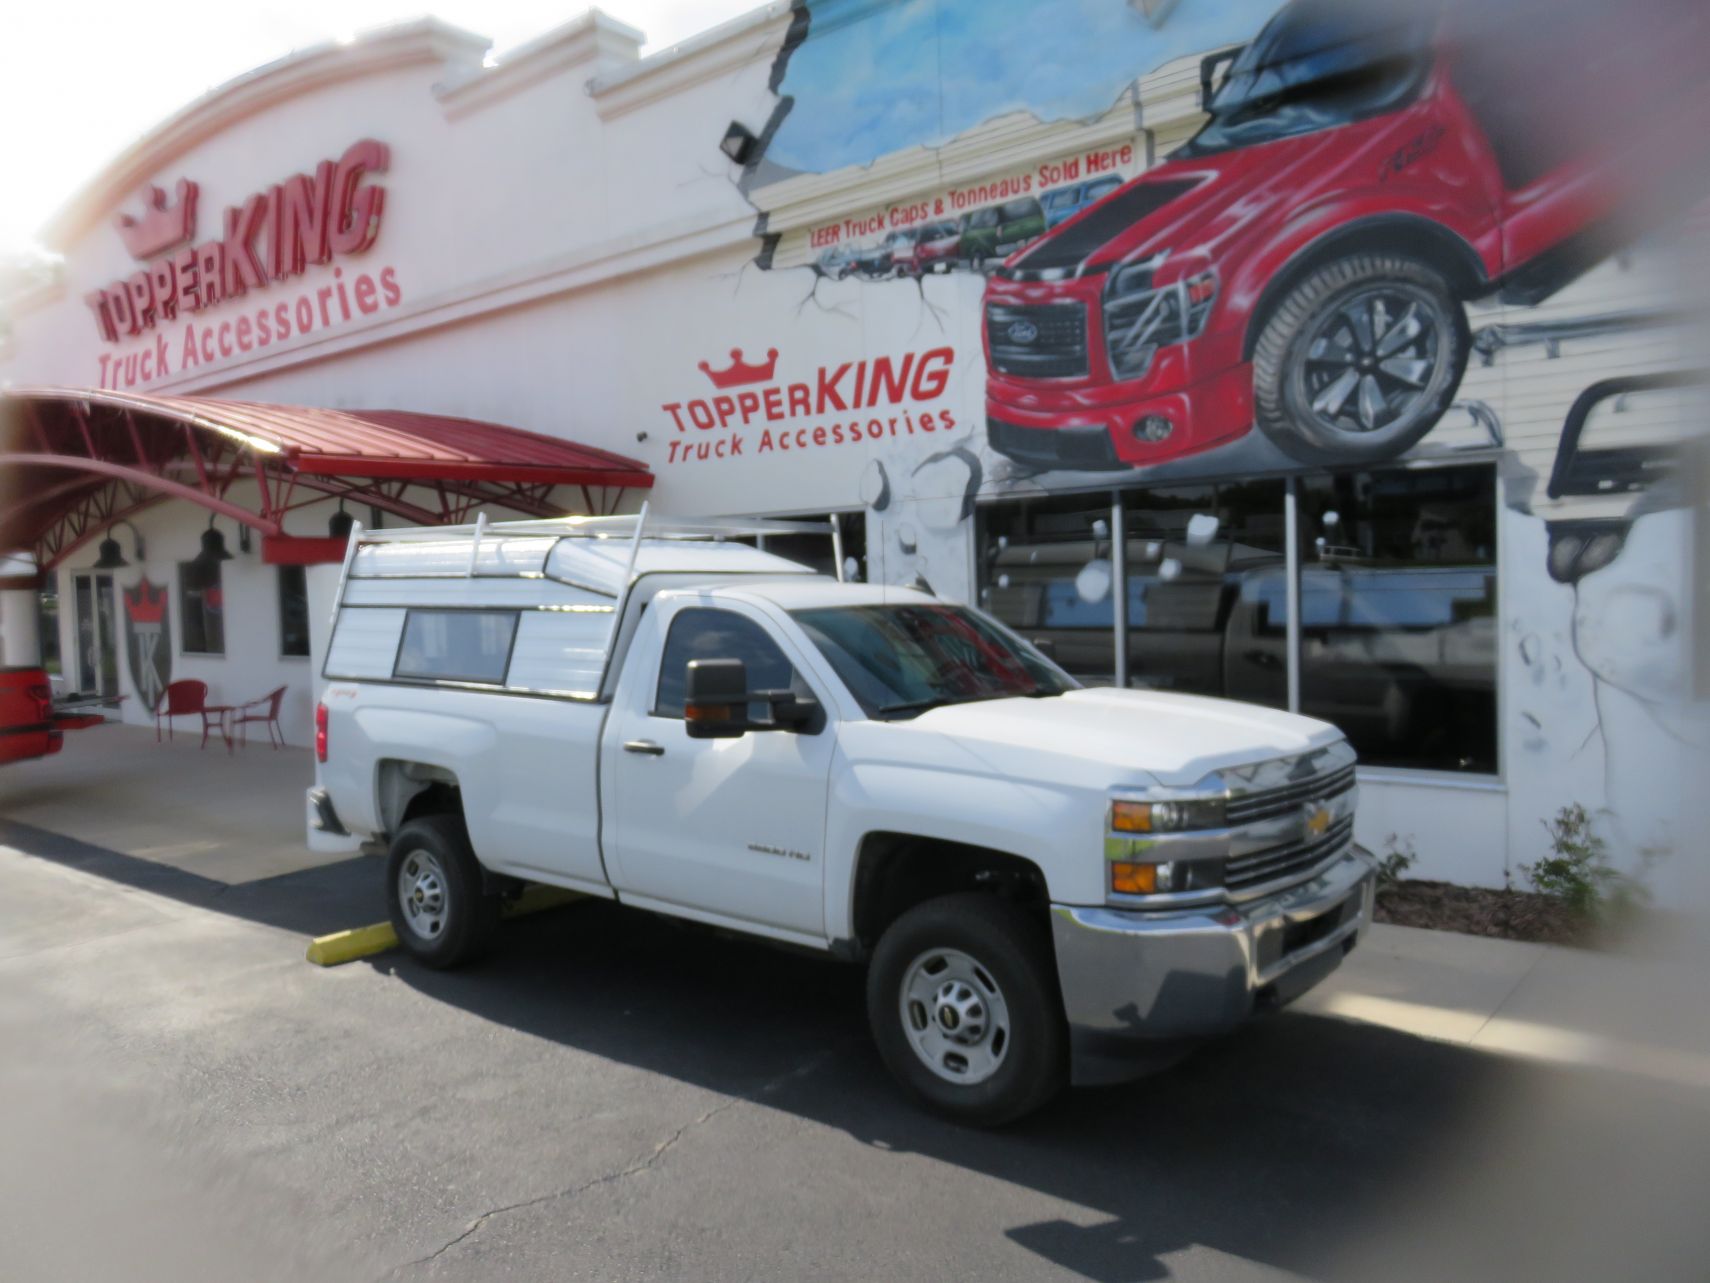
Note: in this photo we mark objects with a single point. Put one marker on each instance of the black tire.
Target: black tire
(1012, 947)
(467, 913)
(1294, 385)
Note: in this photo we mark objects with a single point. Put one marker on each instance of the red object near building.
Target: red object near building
(1303, 262)
(29, 727)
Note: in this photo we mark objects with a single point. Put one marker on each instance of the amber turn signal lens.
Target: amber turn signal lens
(1133, 879)
(1131, 817)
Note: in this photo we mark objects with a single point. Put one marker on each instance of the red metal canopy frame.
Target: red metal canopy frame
(75, 460)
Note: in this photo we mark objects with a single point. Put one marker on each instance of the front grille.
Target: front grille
(1280, 801)
(1287, 860)
(1047, 341)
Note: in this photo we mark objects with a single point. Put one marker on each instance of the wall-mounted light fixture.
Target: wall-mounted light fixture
(112, 557)
(339, 524)
(739, 142)
(213, 546)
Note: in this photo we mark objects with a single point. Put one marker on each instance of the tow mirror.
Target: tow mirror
(790, 711)
(715, 704)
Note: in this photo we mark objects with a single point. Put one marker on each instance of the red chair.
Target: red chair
(189, 698)
(264, 710)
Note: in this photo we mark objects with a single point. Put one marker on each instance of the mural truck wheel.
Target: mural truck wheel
(1359, 360)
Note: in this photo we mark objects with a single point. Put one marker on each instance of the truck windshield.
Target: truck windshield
(1318, 64)
(899, 661)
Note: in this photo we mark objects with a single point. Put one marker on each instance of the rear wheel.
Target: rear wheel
(1359, 360)
(440, 909)
(963, 1004)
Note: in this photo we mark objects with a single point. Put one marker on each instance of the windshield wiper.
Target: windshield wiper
(917, 705)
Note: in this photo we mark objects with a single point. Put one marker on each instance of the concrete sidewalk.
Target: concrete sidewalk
(235, 817)
(1640, 1011)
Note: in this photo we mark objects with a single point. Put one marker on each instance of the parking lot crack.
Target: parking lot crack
(624, 1173)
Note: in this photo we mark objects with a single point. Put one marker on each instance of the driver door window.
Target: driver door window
(701, 633)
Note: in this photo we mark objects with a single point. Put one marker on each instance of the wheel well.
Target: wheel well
(408, 790)
(897, 871)
(1416, 238)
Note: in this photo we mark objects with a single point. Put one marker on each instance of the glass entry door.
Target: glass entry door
(97, 635)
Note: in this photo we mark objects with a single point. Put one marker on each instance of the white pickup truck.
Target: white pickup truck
(1047, 883)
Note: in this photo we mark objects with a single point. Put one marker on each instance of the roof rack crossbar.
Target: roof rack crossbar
(600, 528)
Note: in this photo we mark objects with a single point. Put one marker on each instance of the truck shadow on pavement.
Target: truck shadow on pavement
(1280, 1144)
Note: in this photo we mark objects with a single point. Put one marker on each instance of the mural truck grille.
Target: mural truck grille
(1045, 342)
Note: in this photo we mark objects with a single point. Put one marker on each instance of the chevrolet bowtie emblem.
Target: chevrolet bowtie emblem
(1317, 819)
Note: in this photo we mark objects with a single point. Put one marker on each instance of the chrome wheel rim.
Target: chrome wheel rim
(1372, 363)
(423, 893)
(954, 1016)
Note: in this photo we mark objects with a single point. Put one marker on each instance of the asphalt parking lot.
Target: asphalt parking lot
(612, 1096)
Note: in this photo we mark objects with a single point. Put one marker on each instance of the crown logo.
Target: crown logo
(738, 373)
(145, 603)
(161, 226)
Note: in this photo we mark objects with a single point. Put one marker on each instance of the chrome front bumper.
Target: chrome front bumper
(1140, 986)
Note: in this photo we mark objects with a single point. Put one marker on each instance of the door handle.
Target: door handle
(644, 746)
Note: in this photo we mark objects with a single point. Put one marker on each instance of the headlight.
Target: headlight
(1166, 817)
(1140, 318)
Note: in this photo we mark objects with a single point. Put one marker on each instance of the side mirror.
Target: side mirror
(715, 703)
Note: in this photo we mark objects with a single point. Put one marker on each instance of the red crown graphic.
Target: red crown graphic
(738, 373)
(161, 226)
(145, 603)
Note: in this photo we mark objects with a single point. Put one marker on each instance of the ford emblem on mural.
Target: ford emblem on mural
(1023, 331)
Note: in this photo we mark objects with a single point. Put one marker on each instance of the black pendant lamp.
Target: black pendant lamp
(213, 546)
(339, 524)
(112, 556)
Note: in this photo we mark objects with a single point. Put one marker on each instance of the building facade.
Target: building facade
(1313, 357)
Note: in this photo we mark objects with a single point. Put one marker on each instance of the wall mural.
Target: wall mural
(1179, 248)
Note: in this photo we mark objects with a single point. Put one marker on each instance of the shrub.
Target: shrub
(1397, 858)
(1578, 872)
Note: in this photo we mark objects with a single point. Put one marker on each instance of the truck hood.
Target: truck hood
(1183, 205)
(1108, 737)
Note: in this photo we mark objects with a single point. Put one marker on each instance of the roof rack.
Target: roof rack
(639, 525)
(634, 528)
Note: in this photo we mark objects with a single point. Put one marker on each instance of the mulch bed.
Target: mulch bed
(1510, 915)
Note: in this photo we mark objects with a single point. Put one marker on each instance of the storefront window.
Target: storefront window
(1045, 571)
(293, 611)
(1198, 560)
(202, 605)
(1397, 594)
(1398, 614)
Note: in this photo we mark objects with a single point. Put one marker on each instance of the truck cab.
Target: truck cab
(1046, 883)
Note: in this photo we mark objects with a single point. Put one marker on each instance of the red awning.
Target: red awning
(75, 459)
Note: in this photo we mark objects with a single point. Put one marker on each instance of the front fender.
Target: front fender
(1059, 830)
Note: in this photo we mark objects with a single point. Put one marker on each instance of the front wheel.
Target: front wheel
(440, 910)
(1359, 360)
(963, 1003)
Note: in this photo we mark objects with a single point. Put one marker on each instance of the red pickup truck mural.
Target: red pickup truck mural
(1302, 263)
